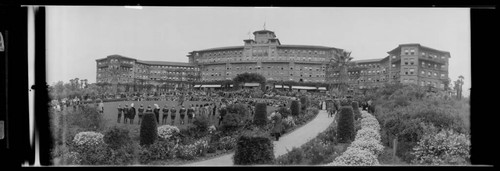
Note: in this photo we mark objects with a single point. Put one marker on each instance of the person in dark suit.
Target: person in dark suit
(141, 113)
(173, 112)
(222, 113)
(190, 113)
(182, 114)
(165, 114)
(132, 113)
(125, 114)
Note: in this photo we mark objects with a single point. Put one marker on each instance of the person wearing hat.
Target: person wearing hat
(190, 113)
(182, 113)
(120, 109)
(156, 111)
(173, 112)
(222, 113)
(165, 114)
(132, 113)
(141, 113)
(149, 110)
(125, 114)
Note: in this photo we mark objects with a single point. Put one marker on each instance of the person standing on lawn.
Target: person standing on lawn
(141, 113)
(214, 110)
(156, 111)
(182, 114)
(190, 113)
(120, 110)
(173, 112)
(125, 114)
(222, 113)
(132, 113)
(165, 115)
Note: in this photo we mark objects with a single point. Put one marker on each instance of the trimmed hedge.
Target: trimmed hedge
(285, 112)
(304, 103)
(295, 108)
(148, 130)
(345, 125)
(260, 117)
(255, 148)
(117, 137)
(355, 108)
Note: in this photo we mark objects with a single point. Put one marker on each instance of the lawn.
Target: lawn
(111, 113)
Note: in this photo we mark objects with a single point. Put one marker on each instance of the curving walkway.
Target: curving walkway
(294, 139)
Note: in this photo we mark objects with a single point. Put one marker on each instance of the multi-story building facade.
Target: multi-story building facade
(407, 64)
(117, 69)
(264, 55)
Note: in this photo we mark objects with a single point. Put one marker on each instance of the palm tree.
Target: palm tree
(340, 61)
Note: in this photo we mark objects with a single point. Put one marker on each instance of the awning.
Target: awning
(304, 87)
(210, 86)
(279, 86)
(321, 88)
(251, 84)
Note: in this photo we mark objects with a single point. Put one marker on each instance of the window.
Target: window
(393, 65)
(406, 51)
(412, 52)
(394, 57)
(411, 71)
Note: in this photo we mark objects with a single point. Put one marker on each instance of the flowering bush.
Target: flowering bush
(159, 150)
(167, 131)
(88, 139)
(211, 129)
(227, 143)
(71, 158)
(444, 147)
(370, 122)
(371, 145)
(201, 146)
(355, 157)
(187, 152)
(367, 134)
(289, 122)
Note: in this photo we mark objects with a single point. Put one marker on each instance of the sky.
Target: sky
(77, 36)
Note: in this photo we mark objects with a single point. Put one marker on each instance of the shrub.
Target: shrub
(445, 147)
(148, 130)
(227, 143)
(304, 103)
(295, 108)
(260, 117)
(345, 125)
(88, 139)
(97, 155)
(236, 116)
(371, 123)
(355, 157)
(117, 137)
(294, 157)
(124, 155)
(87, 118)
(201, 122)
(201, 146)
(368, 134)
(345, 102)
(355, 109)
(289, 122)
(254, 148)
(165, 132)
(371, 145)
(285, 112)
(187, 152)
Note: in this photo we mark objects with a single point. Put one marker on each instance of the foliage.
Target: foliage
(355, 157)
(165, 132)
(295, 108)
(86, 118)
(289, 122)
(444, 147)
(254, 148)
(187, 152)
(368, 134)
(201, 122)
(345, 125)
(304, 102)
(117, 137)
(237, 115)
(148, 130)
(355, 109)
(260, 117)
(285, 112)
(159, 150)
(295, 156)
(88, 139)
(226, 143)
(371, 145)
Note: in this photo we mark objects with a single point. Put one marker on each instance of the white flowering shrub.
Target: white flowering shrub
(367, 134)
(88, 138)
(201, 146)
(366, 115)
(167, 131)
(289, 122)
(370, 122)
(371, 145)
(355, 157)
(445, 147)
(211, 129)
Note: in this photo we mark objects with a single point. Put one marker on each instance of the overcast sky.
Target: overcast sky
(77, 36)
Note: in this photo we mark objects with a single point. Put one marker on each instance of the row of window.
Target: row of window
(281, 58)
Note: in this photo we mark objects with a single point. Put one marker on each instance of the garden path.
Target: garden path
(294, 139)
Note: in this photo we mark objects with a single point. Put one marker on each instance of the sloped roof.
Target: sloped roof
(164, 63)
(368, 60)
(307, 46)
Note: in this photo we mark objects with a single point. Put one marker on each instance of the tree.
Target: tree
(249, 78)
(340, 61)
(458, 86)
